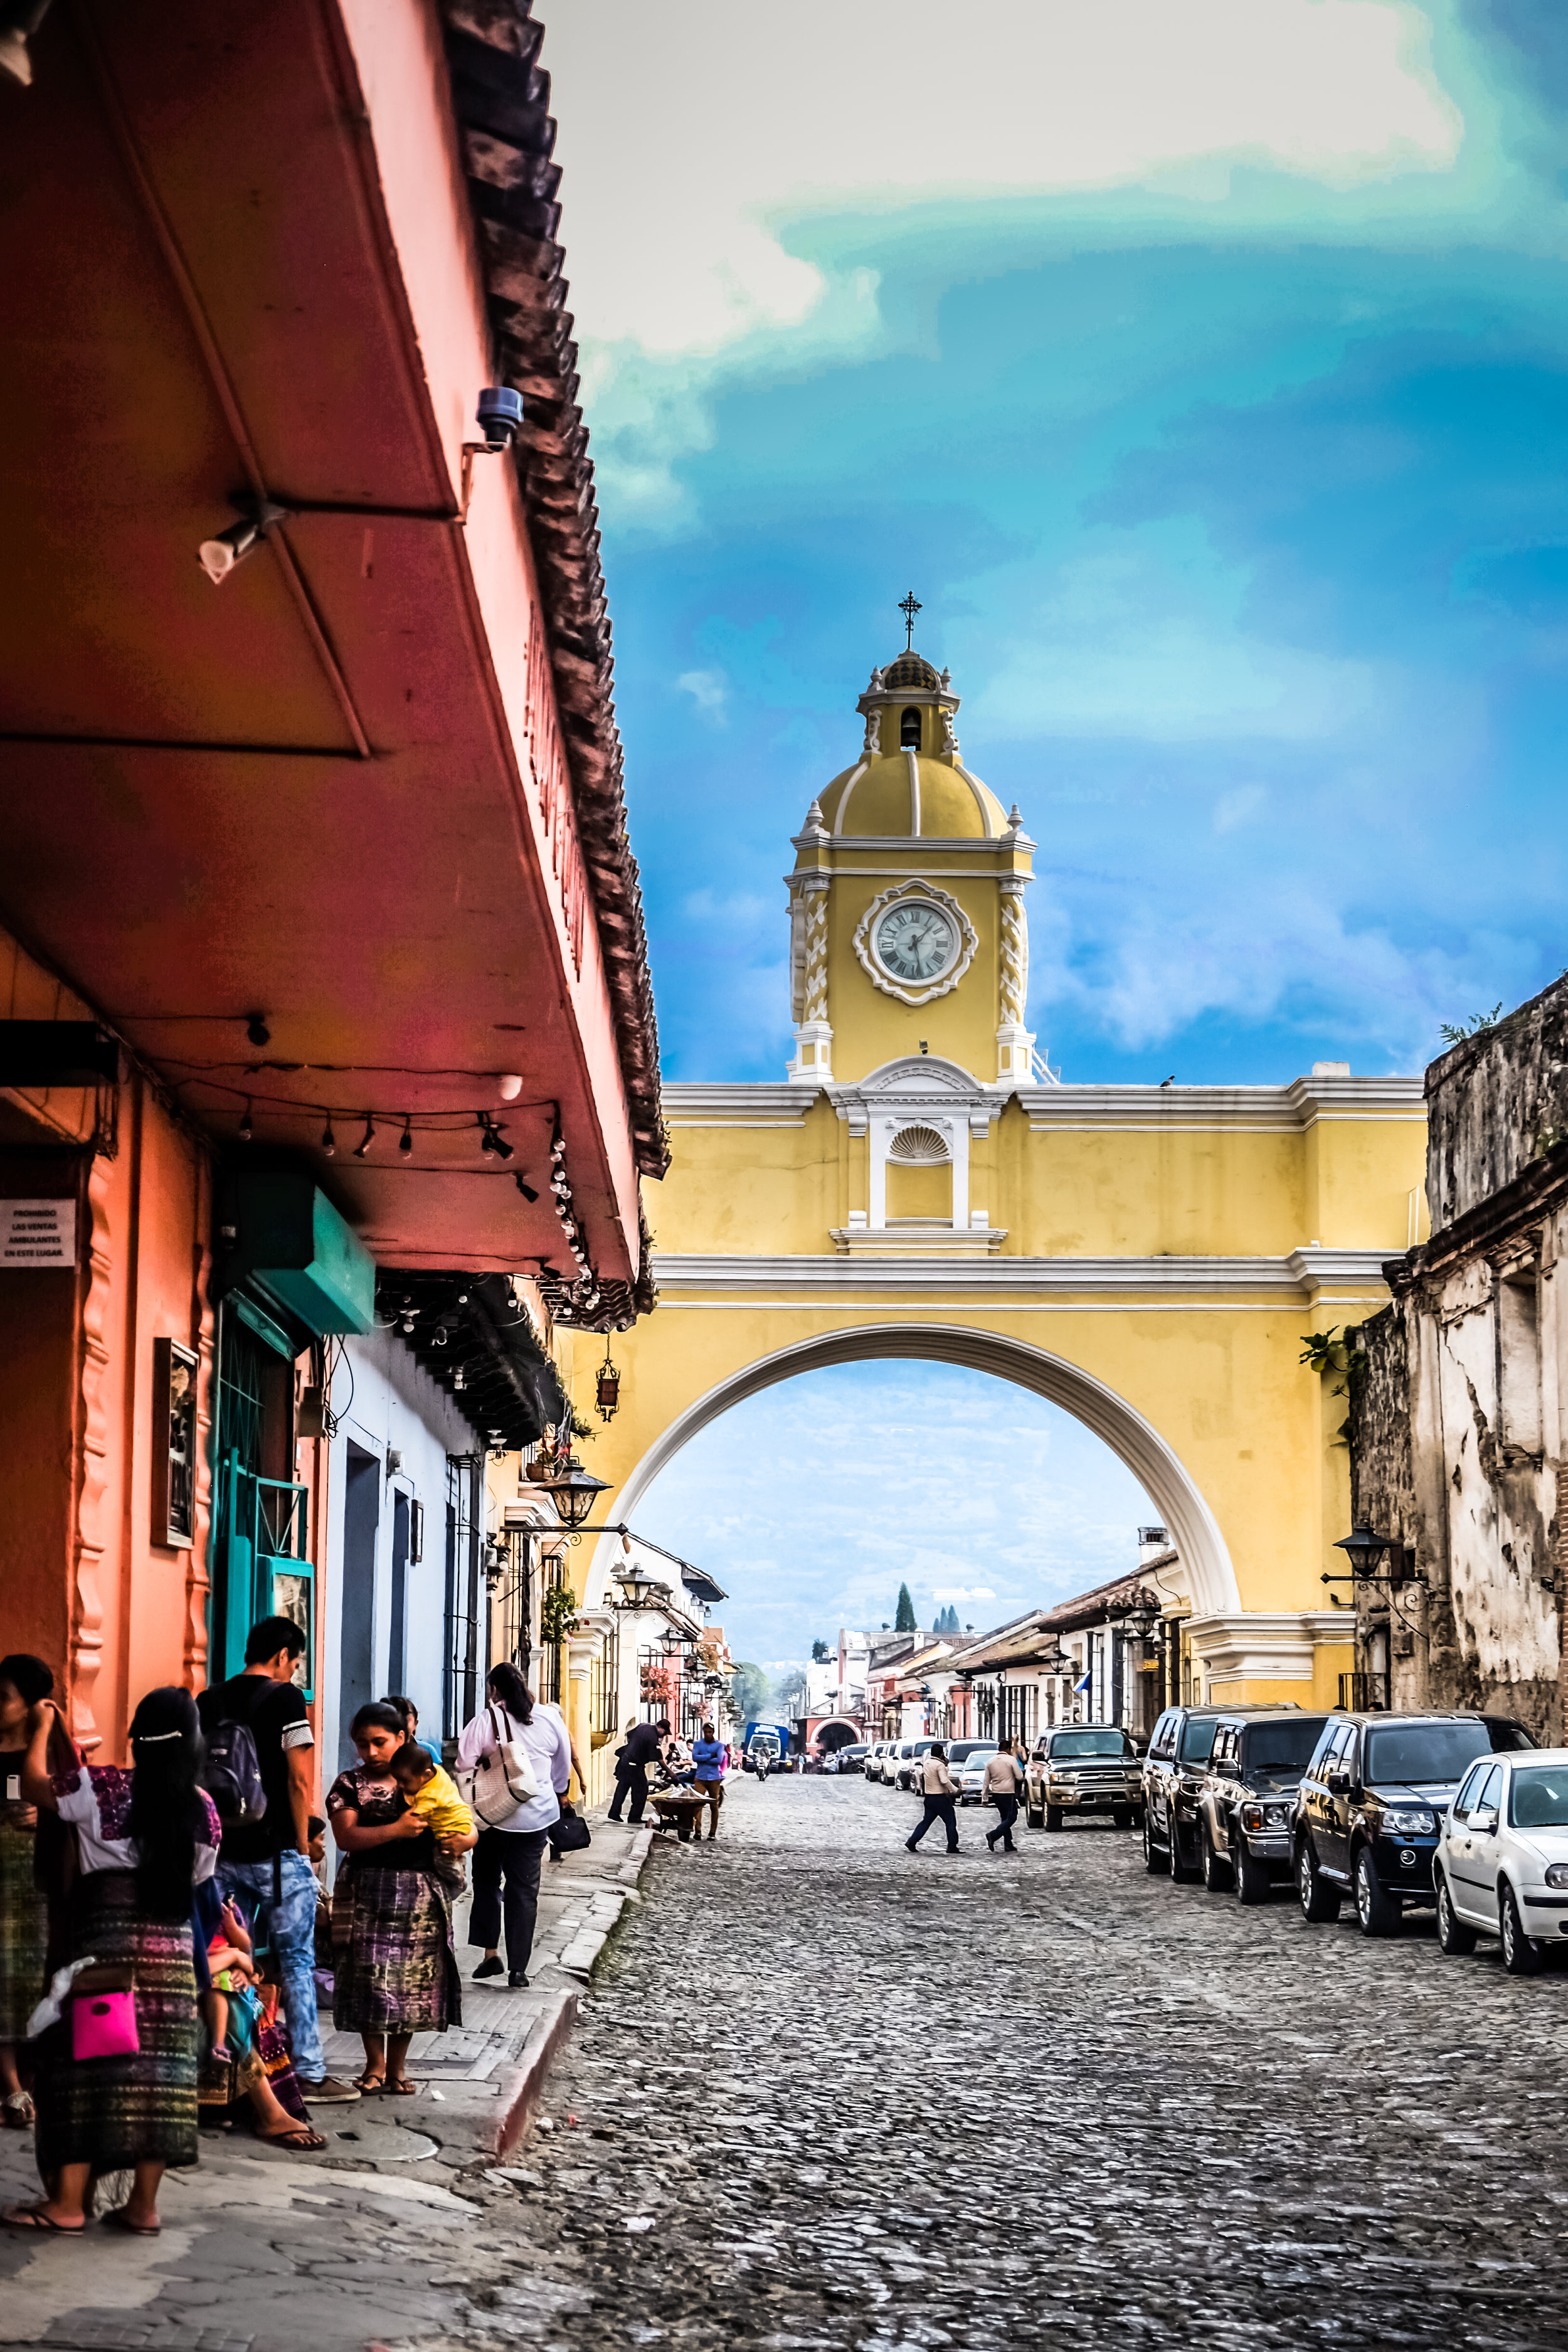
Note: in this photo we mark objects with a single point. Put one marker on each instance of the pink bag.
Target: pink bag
(103, 2025)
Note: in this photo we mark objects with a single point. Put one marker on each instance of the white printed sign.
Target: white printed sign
(38, 1233)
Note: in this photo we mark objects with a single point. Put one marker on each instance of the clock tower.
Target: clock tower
(908, 933)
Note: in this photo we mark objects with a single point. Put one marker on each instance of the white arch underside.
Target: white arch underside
(1209, 1577)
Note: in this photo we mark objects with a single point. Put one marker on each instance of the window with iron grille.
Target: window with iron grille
(604, 1687)
(466, 1659)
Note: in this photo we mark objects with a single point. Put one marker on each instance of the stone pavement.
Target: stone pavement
(829, 2095)
(368, 2243)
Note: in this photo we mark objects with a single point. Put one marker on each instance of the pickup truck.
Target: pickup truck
(1083, 1768)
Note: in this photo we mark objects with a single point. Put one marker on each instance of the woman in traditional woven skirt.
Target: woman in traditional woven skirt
(145, 1838)
(394, 1970)
(23, 1914)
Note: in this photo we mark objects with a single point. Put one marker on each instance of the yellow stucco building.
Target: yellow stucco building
(920, 1185)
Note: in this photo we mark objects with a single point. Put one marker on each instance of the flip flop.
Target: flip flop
(399, 2088)
(33, 2217)
(16, 2112)
(115, 2219)
(369, 2082)
(300, 2139)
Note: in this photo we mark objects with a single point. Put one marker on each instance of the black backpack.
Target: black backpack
(232, 1775)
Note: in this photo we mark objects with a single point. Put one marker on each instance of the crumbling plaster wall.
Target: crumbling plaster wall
(1496, 1103)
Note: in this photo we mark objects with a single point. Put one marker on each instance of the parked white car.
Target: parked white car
(970, 1773)
(1502, 1864)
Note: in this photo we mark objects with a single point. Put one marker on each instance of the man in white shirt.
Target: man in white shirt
(1004, 1785)
(938, 1788)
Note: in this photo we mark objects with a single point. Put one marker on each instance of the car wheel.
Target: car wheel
(1377, 1913)
(1176, 1865)
(1319, 1901)
(1520, 1953)
(1154, 1860)
(1053, 1817)
(1453, 1936)
(1248, 1875)
(1036, 1821)
(1215, 1868)
(1122, 1817)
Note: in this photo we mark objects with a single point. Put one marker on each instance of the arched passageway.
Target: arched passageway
(1193, 1526)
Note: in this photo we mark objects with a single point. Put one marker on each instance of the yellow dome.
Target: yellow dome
(911, 779)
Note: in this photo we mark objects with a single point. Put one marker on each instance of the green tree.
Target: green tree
(820, 1652)
(789, 1694)
(904, 1619)
(751, 1691)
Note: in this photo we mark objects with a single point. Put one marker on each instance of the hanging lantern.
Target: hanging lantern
(609, 1388)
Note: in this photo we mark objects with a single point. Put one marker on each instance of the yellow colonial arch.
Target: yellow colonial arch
(922, 1184)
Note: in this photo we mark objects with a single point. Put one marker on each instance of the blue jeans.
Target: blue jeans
(290, 1927)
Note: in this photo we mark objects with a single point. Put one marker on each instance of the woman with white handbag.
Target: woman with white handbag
(514, 1764)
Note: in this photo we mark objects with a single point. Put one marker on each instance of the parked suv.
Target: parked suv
(1174, 1772)
(1370, 1805)
(1083, 1768)
(1247, 1798)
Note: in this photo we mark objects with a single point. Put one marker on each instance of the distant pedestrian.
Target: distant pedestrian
(938, 1788)
(1004, 1785)
(514, 1850)
(710, 1755)
(404, 1707)
(642, 1747)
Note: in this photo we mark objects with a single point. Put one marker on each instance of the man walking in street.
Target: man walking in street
(1004, 1785)
(708, 1756)
(267, 1860)
(938, 1788)
(641, 1749)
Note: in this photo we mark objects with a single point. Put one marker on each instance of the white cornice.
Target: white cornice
(1266, 1645)
(1287, 1110)
(995, 1279)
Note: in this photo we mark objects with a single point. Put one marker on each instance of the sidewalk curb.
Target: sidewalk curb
(524, 2092)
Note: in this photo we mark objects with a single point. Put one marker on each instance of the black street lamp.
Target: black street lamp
(575, 1491)
(1363, 1550)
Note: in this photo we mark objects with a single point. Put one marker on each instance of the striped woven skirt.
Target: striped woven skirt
(394, 1970)
(113, 2113)
(24, 1929)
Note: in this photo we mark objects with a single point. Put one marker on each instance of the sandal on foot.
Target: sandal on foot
(16, 2111)
(117, 2217)
(34, 2217)
(398, 2086)
(367, 2081)
(299, 2138)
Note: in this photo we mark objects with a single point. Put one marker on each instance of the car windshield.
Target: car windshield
(1197, 1739)
(1090, 1743)
(967, 1751)
(1538, 1798)
(1275, 1755)
(1424, 1751)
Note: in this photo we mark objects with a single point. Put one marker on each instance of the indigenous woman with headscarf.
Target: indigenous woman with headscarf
(145, 1838)
(24, 1911)
(395, 1973)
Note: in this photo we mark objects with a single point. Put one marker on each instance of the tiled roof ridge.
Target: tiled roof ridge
(501, 99)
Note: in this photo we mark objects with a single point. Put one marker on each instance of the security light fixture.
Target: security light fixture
(217, 557)
(498, 416)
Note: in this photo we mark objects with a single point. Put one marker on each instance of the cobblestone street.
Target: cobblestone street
(879, 2101)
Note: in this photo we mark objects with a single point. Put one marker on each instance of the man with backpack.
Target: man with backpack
(258, 1774)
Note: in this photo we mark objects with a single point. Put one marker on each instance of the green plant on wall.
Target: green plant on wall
(557, 1612)
(1325, 1351)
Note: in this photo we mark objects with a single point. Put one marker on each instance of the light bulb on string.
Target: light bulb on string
(329, 1140)
(246, 1130)
(405, 1140)
(367, 1139)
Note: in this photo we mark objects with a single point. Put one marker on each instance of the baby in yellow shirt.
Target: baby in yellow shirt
(429, 1790)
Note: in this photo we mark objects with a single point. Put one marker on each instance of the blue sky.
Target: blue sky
(1203, 365)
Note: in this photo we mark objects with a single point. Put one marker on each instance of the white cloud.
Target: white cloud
(690, 132)
(709, 689)
(1233, 808)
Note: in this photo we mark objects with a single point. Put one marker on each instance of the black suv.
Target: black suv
(1371, 1804)
(1174, 1772)
(1247, 1797)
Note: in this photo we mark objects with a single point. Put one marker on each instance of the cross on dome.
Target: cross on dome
(908, 606)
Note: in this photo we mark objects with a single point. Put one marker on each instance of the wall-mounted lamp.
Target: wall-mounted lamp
(217, 557)
(500, 419)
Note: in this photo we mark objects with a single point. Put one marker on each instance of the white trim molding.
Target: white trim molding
(1176, 1280)
(1272, 1645)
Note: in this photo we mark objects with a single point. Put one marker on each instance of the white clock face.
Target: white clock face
(916, 940)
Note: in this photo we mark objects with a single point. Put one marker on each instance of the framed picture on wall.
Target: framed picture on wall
(173, 1445)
